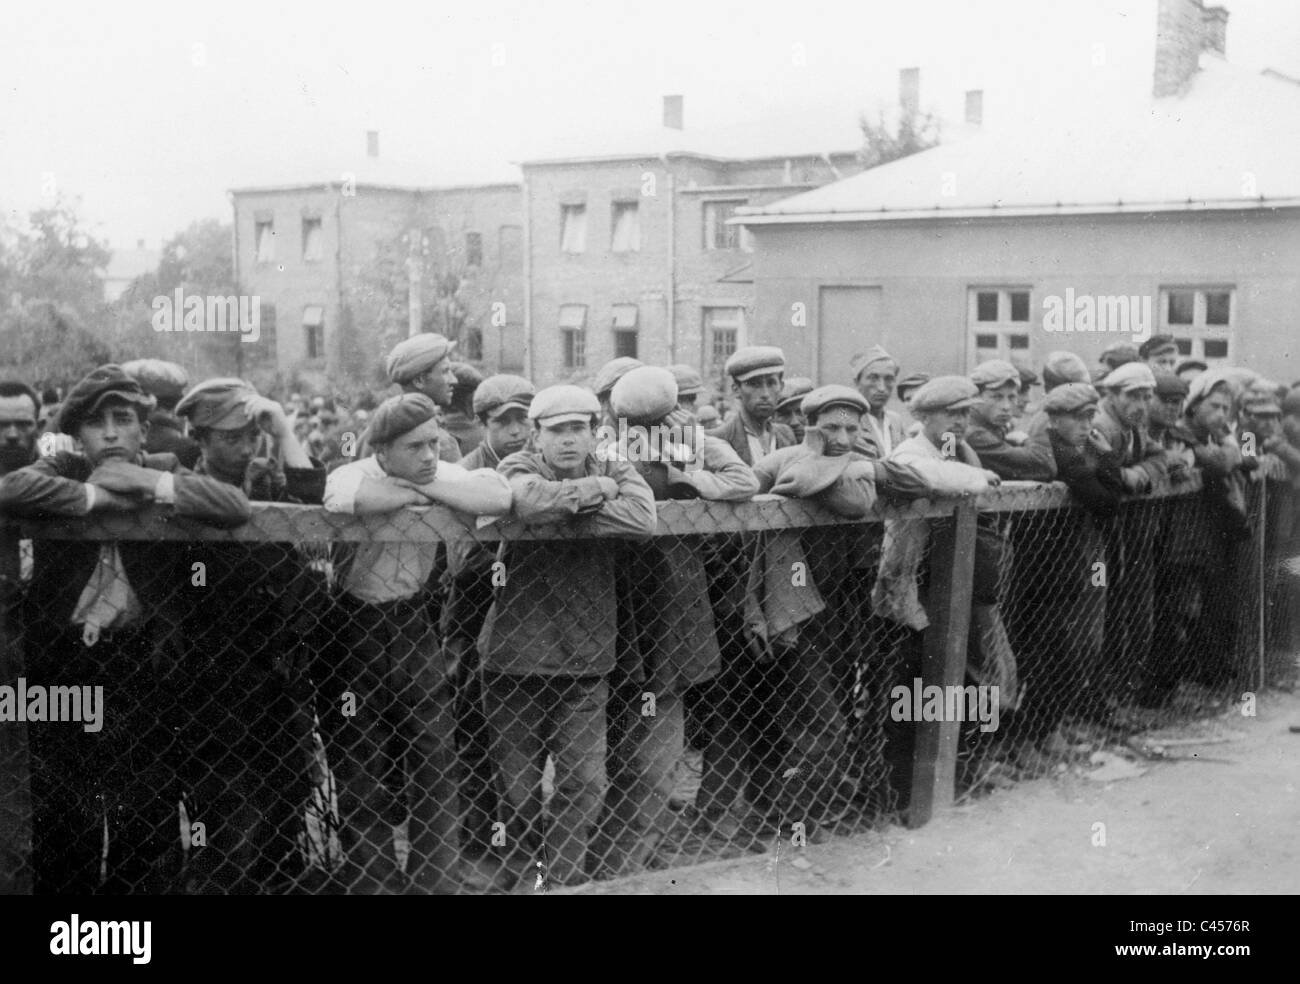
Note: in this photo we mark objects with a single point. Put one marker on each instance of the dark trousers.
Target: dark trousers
(118, 780)
(389, 700)
(646, 743)
(531, 717)
(477, 777)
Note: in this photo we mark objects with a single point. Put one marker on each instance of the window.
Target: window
(266, 324)
(1200, 319)
(626, 233)
(719, 235)
(625, 316)
(313, 245)
(998, 323)
(473, 249)
(573, 332)
(313, 326)
(510, 251)
(573, 228)
(264, 240)
(722, 332)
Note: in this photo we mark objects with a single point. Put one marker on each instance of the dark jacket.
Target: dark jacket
(733, 432)
(1034, 462)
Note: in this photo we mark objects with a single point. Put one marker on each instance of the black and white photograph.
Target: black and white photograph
(737, 448)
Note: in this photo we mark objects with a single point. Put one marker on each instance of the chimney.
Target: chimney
(372, 143)
(909, 91)
(975, 106)
(1185, 28)
(1214, 30)
(674, 112)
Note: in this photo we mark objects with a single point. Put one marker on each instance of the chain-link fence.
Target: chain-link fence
(547, 706)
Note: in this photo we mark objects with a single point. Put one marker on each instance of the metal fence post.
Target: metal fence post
(952, 571)
(15, 774)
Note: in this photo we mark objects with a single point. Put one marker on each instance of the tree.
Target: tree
(915, 132)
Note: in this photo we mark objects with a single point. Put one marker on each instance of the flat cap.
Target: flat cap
(1129, 376)
(1027, 375)
(1260, 400)
(910, 382)
(825, 397)
(794, 390)
(466, 375)
(755, 360)
(1118, 354)
(707, 415)
(1167, 384)
(945, 393)
(1191, 364)
(108, 381)
(611, 372)
(1291, 402)
(689, 380)
(399, 414)
(560, 404)
(1064, 367)
(862, 360)
(412, 356)
(995, 373)
(1070, 398)
(220, 404)
(1157, 345)
(497, 394)
(644, 394)
(165, 380)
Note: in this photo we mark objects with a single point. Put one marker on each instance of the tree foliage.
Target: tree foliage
(914, 132)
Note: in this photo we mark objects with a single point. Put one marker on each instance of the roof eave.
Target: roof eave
(758, 218)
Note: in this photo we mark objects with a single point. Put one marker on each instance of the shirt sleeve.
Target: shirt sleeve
(343, 483)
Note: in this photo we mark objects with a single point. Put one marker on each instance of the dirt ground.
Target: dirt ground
(1221, 816)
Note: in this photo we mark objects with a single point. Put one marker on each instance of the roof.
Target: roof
(802, 135)
(1200, 150)
(380, 172)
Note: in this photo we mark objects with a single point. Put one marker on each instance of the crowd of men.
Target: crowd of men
(522, 706)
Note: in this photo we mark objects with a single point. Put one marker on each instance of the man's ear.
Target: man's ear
(735, 388)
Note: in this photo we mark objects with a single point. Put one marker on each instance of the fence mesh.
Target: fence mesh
(731, 683)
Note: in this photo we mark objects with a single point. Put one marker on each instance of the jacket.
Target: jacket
(733, 432)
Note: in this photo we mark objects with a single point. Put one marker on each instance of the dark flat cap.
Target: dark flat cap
(1156, 345)
(793, 392)
(220, 404)
(825, 397)
(611, 372)
(106, 382)
(1071, 398)
(165, 380)
(399, 414)
(1167, 384)
(497, 394)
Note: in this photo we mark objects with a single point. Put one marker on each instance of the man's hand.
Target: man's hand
(993, 478)
(608, 487)
(421, 495)
(270, 416)
(1099, 441)
(1017, 438)
(125, 478)
(106, 501)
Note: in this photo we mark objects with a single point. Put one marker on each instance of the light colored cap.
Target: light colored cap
(412, 356)
(1129, 376)
(497, 394)
(612, 371)
(945, 393)
(755, 360)
(825, 397)
(561, 404)
(995, 373)
(689, 380)
(220, 404)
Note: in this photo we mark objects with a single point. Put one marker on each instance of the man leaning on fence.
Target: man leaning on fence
(390, 693)
(241, 614)
(91, 619)
(548, 644)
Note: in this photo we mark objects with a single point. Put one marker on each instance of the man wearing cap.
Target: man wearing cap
(1059, 368)
(1118, 354)
(668, 643)
(91, 619)
(422, 364)
(391, 693)
(1122, 420)
(874, 374)
(1165, 424)
(999, 386)
(166, 383)
(787, 407)
(690, 384)
(1189, 369)
(609, 374)
(757, 373)
(1160, 353)
(245, 722)
(548, 644)
(1259, 427)
(501, 404)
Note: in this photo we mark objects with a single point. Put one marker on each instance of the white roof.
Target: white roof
(381, 172)
(1231, 141)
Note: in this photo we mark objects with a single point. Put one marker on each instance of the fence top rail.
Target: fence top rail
(694, 517)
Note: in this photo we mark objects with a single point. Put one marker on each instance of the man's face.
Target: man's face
(758, 395)
(508, 432)
(876, 384)
(792, 418)
(1165, 410)
(1073, 428)
(436, 382)
(1164, 362)
(17, 431)
(1213, 413)
(565, 446)
(228, 452)
(414, 455)
(998, 404)
(1022, 400)
(1133, 405)
(944, 428)
(1291, 428)
(839, 428)
(113, 430)
(1264, 425)
(687, 402)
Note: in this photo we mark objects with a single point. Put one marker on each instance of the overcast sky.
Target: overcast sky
(150, 111)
